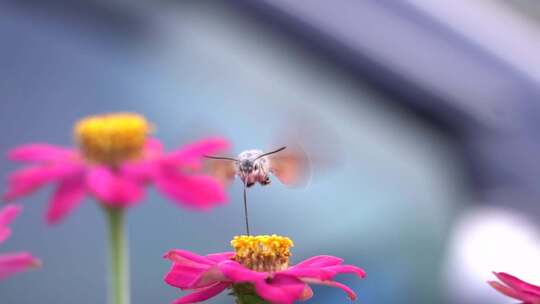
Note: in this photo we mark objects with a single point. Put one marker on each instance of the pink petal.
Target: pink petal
(27, 180)
(191, 271)
(307, 293)
(8, 214)
(209, 277)
(203, 294)
(41, 152)
(183, 277)
(240, 274)
(350, 292)
(147, 168)
(305, 272)
(16, 262)
(196, 191)
(141, 171)
(195, 151)
(517, 284)
(5, 233)
(281, 289)
(338, 269)
(319, 261)
(219, 257)
(153, 147)
(67, 196)
(322, 268)
(188, 258)
(507, 291)
(113, 189)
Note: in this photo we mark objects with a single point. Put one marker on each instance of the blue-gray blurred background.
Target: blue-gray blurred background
(433, 107)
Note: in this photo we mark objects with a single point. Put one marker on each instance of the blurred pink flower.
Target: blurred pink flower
(12, 263)
(114, 161)
(516, 288)
(209, 275)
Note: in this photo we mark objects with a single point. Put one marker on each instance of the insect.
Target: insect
(255, 166)
(289, 164)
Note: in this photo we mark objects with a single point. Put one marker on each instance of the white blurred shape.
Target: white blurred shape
(487, 239)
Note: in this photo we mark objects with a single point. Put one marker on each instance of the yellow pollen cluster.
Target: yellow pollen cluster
(112, 138)
(262, 252)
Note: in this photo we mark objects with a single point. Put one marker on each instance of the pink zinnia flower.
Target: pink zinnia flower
(114, 160)
(516, 288)
(13, 263)
(259, 267)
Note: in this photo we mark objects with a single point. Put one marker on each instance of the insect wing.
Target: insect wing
(291, 166)
(223, 170)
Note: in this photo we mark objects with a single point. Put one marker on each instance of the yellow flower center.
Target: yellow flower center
(262, 252)
(112, 138)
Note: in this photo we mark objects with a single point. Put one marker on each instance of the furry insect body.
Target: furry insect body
(251, 168)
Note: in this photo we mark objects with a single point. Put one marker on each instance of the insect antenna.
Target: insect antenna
(220, 157)
(246, 209)
(271, 152)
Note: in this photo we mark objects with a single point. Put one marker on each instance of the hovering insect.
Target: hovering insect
(255, 166)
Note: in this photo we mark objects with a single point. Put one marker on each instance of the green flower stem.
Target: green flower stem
(245, 294)
(119, 275)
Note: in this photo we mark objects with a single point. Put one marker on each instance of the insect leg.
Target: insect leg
(264, 179)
